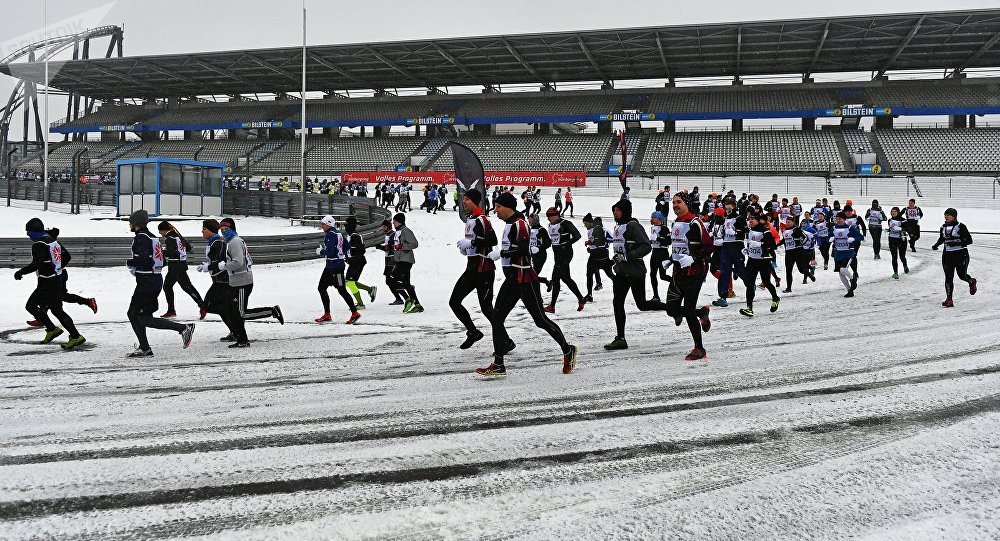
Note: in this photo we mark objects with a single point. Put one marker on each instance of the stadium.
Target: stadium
(823, 420)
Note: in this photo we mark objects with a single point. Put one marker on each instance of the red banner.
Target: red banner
(493, 178)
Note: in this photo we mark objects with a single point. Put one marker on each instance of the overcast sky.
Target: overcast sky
(179, 26)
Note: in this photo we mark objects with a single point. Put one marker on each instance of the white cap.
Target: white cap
(328, 220)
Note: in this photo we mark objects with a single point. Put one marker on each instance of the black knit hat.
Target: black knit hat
(506, 199)
(475, 196)
(399, 217)
(211, 225)
(228, 222)
(139, 218)
(34, 225)
(951, 212)
(387, 223)
(588, 219)
(351, 224)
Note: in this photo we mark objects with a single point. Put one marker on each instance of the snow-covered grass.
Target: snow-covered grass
(873, 417)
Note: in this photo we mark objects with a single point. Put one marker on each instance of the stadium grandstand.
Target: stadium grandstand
(827, 98)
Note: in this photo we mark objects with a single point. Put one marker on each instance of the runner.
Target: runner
(47, 260)
(845, 239)
(691, 248)
(630, 247)
(146, 264)
(761, 252)
(875, 217)
(476, 245)
(356, 262)
(913, 214)
(563, 235)
(659, 241)
(731, 263)
(333, 250)
(956, 238)
(175, 249)
(897, 242)
(404, 242)
(520, 283)
(597, 254)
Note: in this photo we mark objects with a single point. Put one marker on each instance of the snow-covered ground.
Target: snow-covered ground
(874, 417)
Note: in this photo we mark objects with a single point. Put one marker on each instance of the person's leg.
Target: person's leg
(844, 268)
(824, 248)
(725, 272)
(620, 290)
(184, 280)
(168, 287)
(137, 318)
(962, 267)
(876, 234)
(507, 297)
(73, 298)
(557, 278)
(397, 280)
(691, 311)
(36, 307)
(463, 287)
(894, 254)
(591, 272)
(325, 281)
(340, 284)
(751, 279)
(250, 314)
(531, 297)
(234, 308)
(790, 256)
(484, 291)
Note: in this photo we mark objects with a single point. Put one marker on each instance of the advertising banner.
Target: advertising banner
(502, 178)
(871, 169)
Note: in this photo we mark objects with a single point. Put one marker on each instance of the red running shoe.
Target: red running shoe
(696, 354)
(354, 317)
(34, 323)
(972, 287)
(324, 318)
(706, 324)
(92, 304)
(550, 309)
(202, 313)
(581, 305)
(948, 303)
(168, 314)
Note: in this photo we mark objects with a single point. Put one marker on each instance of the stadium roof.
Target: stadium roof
(953, 40)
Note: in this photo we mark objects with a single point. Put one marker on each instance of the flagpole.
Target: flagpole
(302, 144)
(45, 152)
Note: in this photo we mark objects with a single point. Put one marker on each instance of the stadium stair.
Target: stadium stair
(640, 151)
(844, 153)
(264, 150)
(880, 155)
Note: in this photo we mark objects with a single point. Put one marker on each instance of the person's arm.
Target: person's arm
(962, 230)
(544, 241)
(482, 239)
(637, 242)
(142, 252)
(235, 257)
(574, 233)
(38, 253)
(940, 240)
(67, 257)
(408, 239)
(600, 240)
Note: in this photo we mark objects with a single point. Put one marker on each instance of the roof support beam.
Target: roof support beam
(382, 58)
(121, 76)
(273, 68)
(819, 49)
(739, 49)
(663, 58)
(517, 56)
(975, 56)
(586, 51)
(448, 56)
(333, 67)
(222, 72)
(902, 45)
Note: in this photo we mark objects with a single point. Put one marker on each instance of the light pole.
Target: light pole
(302, 128)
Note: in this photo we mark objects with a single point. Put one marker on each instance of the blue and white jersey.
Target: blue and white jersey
(897, 229)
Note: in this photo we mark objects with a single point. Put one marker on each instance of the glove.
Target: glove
(495, 254)
(533, 250)
(17, 275)
(464, 244)
(203, 267)
(222, 265)
(666, 264)
(319, 250)
(398, 246)
(686, 261)
(934, 247)
(618, 257)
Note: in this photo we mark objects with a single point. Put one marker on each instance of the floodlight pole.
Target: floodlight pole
(302, 143)
(45, 152)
